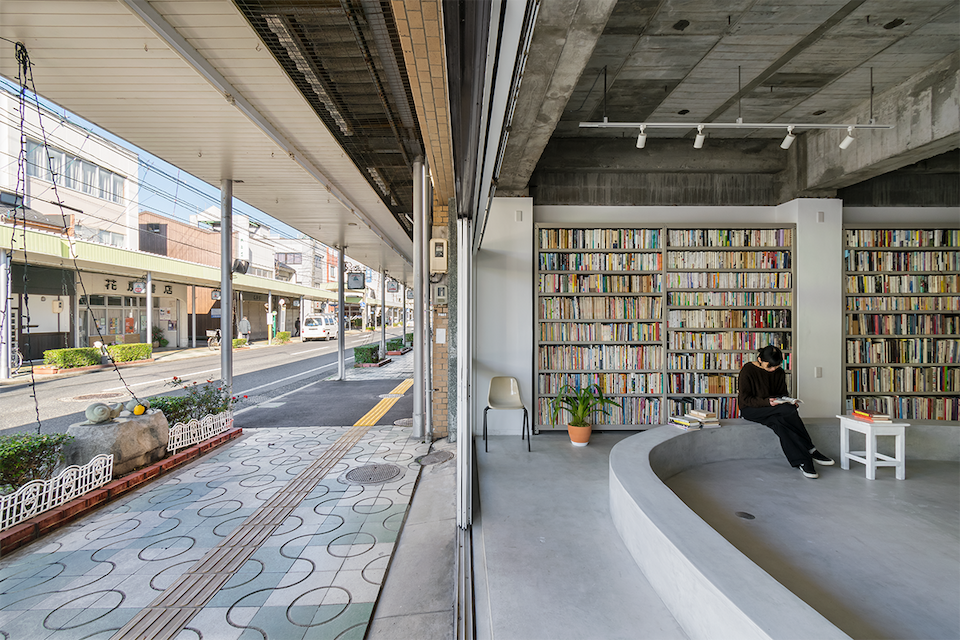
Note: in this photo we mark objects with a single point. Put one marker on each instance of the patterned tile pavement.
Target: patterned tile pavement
(398, 368)
(318, 574)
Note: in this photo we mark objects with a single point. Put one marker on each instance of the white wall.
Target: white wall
(505, 310)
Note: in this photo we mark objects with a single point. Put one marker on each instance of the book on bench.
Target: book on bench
(871, 416)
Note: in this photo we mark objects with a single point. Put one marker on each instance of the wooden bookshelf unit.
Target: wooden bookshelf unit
(661, 319)
(901, 322)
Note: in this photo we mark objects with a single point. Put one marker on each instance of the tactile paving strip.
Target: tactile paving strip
(170, 612)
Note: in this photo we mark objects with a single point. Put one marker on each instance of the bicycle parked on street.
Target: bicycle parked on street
(213, 341)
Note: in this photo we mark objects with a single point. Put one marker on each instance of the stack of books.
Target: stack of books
(696, 419)
(871, 416)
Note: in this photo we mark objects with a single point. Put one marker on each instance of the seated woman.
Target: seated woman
(760, 383)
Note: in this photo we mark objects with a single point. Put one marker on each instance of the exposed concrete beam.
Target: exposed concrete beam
(563, 41)
(926, 112)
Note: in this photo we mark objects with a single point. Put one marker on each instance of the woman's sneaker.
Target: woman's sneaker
(808, 471)
(819, 458)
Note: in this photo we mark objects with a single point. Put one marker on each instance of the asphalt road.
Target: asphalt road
(261, 373)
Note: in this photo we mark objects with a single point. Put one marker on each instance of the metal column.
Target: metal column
(6, 308)
(149, 308)
(342, 312)
(383, 314)
(226, 285)
(403, 310)
(269, 317)
(464, 374)
(193, 329)
(419, 428)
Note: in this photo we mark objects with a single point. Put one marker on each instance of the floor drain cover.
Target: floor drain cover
(372, 474)
(403, 422)
(745, 515)
(391, 395)
(435, 458)
(98, 396)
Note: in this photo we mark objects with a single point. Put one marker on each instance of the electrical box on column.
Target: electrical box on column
(438, 255)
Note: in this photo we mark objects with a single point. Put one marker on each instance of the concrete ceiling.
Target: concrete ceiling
(678, 61)
(306, 104)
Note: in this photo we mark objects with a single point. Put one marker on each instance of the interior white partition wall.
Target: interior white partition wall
(503, 269)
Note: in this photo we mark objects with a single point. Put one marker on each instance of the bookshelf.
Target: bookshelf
(657, 317)
(901, 322)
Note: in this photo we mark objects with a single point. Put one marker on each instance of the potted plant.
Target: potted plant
(582, 404)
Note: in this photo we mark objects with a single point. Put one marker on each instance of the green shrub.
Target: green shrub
(408, 338)
(239, 342)
(394, 344)
(130, 352)
(283, 337)
(158, 336)
(367, 353)
(197, 401)
(28, 456)
(71, 358)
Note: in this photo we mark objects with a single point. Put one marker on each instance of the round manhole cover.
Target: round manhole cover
(435, 458)
(403, 422)
(97, 396)
(390, 395)
(372, 474)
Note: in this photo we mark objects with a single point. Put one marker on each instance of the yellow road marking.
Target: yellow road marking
(380, 409)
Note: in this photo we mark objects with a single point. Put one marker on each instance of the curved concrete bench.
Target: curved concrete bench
(712, 589)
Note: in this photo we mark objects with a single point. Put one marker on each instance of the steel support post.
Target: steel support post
(464, 374)
(419, 428)
(383, 314)
(226, 285)
(193, 328)
(149, 308)
(342, 312)
(6, 351)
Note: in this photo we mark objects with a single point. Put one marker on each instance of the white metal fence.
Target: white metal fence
(38, 496)
(184, 434)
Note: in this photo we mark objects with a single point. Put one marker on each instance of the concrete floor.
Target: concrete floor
(549, 563)
(879, 559)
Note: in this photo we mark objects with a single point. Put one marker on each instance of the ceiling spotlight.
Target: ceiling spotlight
(846, 142)
(789, 139)
(698, 143)
(642, 138)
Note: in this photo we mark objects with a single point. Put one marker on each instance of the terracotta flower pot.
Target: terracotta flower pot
(579, 436)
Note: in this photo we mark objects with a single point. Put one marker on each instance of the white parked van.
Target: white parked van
(318, 328)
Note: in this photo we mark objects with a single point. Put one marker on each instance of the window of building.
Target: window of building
(73, 173)
(289, 258)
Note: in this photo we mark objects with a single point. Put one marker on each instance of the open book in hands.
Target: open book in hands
(785, 400)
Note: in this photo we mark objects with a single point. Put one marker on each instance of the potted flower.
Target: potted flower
(582, 404)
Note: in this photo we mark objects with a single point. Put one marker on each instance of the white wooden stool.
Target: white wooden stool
(870, 457)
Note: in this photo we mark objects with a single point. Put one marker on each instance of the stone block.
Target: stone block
(134, 441)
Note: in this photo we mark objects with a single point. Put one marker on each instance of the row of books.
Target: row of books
(725, 408)
(912, 407)
(599, 357)
(903, 380)
(903, 237)
(729, 298)
(903, 351)
(902, 260)
(609, 383)
(729, 318)
(730, 237)
(715, 361)
(726, 340)
(903, 303)
(698, 383)
(550, 261)
(696, 419)
(598, 283)
(628, 411)
(729, 280)
(600, 308)
(884, 283)
(728, 259)
(599, 238)
(599, 331)
(881, 324)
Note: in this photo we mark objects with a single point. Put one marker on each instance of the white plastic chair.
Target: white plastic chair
(505, 394)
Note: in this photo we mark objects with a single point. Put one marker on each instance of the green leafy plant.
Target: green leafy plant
(28, 456)
(366, 354)
(283, 337)
(408, 338)
(394, 344)
(198, 400)
(130, 352)
(72, 358)
(239, 342)
(158, 336)
(581, 403)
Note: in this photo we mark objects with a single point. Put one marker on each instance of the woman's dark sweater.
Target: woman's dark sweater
(756, 386)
